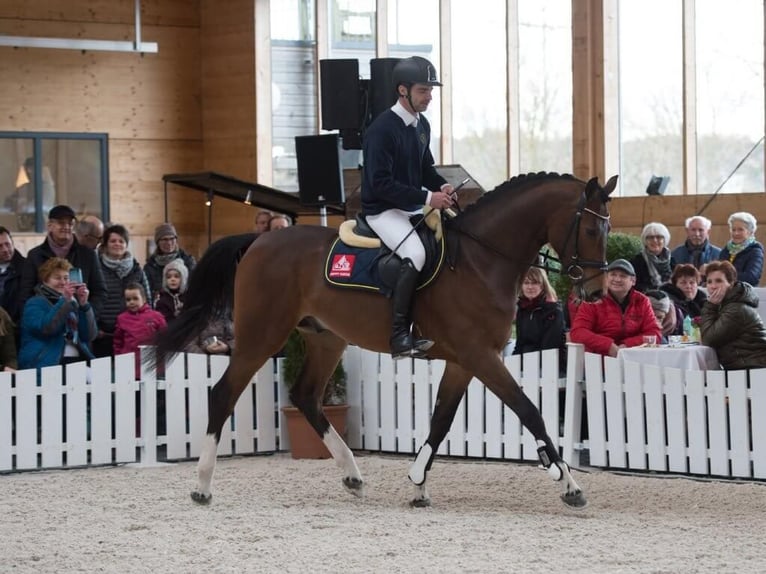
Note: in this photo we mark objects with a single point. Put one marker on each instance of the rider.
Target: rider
(399, 179)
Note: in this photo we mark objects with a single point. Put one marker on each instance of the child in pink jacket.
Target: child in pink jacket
(137, 324)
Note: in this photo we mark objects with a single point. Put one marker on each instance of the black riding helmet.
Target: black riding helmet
(413, 70)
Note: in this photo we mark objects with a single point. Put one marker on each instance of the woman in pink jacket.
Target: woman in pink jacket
(621, 318)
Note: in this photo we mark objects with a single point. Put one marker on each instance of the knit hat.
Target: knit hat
(164, 230)
(659, 300)
(176, 265)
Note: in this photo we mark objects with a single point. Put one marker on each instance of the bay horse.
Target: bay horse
(277, 284)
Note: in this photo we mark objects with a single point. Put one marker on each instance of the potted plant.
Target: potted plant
(304, 441)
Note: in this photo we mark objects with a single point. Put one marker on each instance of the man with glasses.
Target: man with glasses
(697, 248)
(167, 250)
(61, 242)
(89, 231)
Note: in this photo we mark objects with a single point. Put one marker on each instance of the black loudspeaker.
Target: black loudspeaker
(382, 92)
(320, 177)
(657, 185)
(339, 84)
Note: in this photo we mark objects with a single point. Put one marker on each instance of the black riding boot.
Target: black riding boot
(401, 341)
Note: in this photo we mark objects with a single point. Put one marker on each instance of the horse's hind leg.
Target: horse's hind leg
(223, 397)
(323, 352)
(451, 390)
(492, 372)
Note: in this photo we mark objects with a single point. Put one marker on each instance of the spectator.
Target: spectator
(11, 267)
(669, 317)
(119, 268)
(137, 324)
(539, 317)
(742, 250)
(8, 358)
(684, 290)
(89, 231)
(58, 323)
(730, 322)
(653, 264)
(60, 242)
(175, 277)
(697, 248)
(262, 219)
(621, 318)
(279, 221)
(167, 250)
(216, 339)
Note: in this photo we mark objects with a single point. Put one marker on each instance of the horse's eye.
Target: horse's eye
(591, 232)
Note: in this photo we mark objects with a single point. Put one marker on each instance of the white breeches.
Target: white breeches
(392, 226)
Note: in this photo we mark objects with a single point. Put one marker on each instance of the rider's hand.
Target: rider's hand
(440, 200)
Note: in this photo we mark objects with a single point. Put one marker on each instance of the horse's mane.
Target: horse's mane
(513, 186)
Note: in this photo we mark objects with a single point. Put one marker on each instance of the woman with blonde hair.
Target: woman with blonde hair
(742, 250)
(539, 317)
(653, 264)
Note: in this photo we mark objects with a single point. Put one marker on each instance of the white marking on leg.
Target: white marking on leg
(417, 472)
(569, 481)
(206, 464)
(343, 456)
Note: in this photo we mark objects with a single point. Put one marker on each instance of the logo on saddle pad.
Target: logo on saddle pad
(342, 265)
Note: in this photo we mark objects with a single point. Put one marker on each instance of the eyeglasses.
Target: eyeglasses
(63, 222)
(655, 238)
(172, 238)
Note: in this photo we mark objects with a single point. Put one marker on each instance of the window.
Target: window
(41, 170)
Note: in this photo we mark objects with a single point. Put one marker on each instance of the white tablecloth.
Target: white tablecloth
(685, 357)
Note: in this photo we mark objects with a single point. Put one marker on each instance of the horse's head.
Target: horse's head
(581, 242)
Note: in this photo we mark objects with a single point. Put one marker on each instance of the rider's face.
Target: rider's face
(421, 96)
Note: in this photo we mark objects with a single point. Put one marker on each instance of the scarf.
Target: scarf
(164, 258)
(696, 252)
(658, 265)
(60, 250)
(734, 249)
(122, 267)
(528, 304)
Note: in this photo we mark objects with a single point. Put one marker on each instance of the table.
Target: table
(685, 357)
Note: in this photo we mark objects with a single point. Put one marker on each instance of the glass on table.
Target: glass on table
(675, 340)
(650, 340)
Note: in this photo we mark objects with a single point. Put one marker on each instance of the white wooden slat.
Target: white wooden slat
(437, 372)
(147, 396)
(675, 420)
(51, 417)
(198, 390)
(125, 408)
(176, 412)
(512, 428)
(283, 400)
(76, 413)
(595, 405)
(549, 394)
(614, 397)
(370, 393)
(101, 414)
(352, 365)
(634, 416)
(530, 383)
(27, 419)
(493, 412)
(404, 422)
(244, 433)
(422, 398)
(387, 404)
(266, 399)
(573, 402)
(716, 412)
(655, 417)
(739, 424)
(758, 405)
(696, 421)
(456, 435)
(6, 421)
(474, 432)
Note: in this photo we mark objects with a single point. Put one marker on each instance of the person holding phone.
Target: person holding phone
(58, 323)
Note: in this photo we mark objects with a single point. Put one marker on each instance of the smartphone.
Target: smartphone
(75, 275)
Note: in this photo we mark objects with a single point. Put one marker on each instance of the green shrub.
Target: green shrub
(295, 351)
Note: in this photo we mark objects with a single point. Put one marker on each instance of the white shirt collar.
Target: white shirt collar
(407, 117)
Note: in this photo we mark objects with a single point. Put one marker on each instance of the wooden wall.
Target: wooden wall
(149, 105)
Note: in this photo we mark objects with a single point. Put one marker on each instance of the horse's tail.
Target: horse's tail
(209, 295)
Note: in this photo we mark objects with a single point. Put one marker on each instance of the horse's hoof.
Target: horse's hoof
(354, 485)
(420, 502)
(199, 498)
(575, 499)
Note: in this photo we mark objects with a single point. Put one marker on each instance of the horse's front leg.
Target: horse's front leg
(492, 372)
(451, 390)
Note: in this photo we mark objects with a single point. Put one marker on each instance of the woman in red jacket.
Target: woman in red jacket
(621, 318)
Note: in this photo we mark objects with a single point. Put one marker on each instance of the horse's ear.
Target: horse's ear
(610, 185)
(592, 187)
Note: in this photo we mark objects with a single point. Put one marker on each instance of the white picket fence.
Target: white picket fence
(638, 418)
